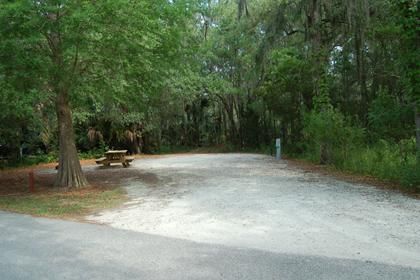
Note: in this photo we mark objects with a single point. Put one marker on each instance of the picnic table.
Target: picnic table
(115, 156)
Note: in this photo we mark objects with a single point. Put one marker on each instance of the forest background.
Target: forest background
(336, 80)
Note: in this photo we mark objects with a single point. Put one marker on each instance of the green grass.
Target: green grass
(386, 161)
(59, 204)
(385, 164)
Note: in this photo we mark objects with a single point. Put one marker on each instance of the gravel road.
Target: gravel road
(36, 248)
(252, 202)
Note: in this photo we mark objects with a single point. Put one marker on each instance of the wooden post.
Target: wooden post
(31, 181)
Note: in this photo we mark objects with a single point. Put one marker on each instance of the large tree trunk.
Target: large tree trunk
(230, 107)
(361, 72)
(314, 36)
(70, 173)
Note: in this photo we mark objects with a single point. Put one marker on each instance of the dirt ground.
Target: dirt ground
(252, 201)
(241, 202)
(16, 181)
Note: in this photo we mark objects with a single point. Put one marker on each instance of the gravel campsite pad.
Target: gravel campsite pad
(253, 201)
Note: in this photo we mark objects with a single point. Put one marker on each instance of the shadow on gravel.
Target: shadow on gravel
(49, 249)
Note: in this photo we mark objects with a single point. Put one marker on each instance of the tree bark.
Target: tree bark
(229, 119)
(361, 72)
(70, 173)
(230, 107)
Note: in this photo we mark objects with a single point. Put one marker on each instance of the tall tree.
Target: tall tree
(407, 13)
(88, 47)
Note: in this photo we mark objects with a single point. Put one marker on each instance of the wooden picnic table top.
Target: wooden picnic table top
(116, 152)
(115, 156)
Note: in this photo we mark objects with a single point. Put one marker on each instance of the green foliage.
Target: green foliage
(385, 160)
(322, 101)
(17, 118)
(110, 56)
(329, 138)
(332, 80)
(93, 153)
(406, 16)
(390, 119)
(285, 83)
(30, 160)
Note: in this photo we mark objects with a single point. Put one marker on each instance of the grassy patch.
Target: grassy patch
(351, 176)
(74, 204)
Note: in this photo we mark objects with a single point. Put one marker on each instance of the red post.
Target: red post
(31, 181)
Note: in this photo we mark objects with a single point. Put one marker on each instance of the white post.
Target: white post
(278, 149)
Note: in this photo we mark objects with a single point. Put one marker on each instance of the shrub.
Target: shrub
(329, 138)
(389, 161)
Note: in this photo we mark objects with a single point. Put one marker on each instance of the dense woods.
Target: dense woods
(337, 80)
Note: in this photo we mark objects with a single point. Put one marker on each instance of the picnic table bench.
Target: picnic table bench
(116, 156)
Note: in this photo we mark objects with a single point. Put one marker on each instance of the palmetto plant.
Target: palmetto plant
(94, 135)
